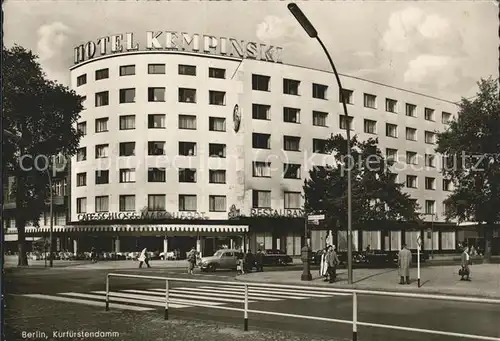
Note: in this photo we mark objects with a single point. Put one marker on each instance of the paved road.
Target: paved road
(86, 288)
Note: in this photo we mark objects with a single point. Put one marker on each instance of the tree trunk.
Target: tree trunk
(20, 220)
(488, 239)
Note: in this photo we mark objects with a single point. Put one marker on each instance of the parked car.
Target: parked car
(171, 255)
(276, 257)
(222, 259)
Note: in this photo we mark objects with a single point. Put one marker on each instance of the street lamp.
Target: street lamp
(18, 137)
(311, 31)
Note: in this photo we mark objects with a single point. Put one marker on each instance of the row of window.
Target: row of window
(153, 69)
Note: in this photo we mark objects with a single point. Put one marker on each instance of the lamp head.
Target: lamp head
(302, 19)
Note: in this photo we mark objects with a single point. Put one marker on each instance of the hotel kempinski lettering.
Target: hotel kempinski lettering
(176, 41)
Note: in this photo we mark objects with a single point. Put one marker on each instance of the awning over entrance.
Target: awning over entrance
(143, 228)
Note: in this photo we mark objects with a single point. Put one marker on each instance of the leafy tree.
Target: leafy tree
(39, 117)
(376, 197)
(471, 147)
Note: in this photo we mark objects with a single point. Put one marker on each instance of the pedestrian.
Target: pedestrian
(259, 261)
(332, 261)
(143, 258)
(404, 262)
(249, 261)
(323, 265)
(191, 258)
(465, 271)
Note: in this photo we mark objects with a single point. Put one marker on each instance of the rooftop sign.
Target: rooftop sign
(176, 41)
(141, 215)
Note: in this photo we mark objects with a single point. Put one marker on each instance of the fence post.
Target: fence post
(245, 328)
(166, 299)
(107, 292)
(354, 317)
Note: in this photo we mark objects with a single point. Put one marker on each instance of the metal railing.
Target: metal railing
(354, 292)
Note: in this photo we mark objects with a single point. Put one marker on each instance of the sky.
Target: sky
(441, 48)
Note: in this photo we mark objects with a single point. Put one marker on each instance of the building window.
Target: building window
(101, 74)
(217, 97)
(446, 185)
(320, 146)
(430, 183)
(217, 203)
(127, 70)
(127, 122)
(291, 115)
(347, 95)
(319, 91)
(261, 169)
(391, 130)
(60, 187)
(445, 117)
(216, 124)
(411, 134)
(157, 175)
(187, 202)
(260, 82)
(187, 95)
(127, 95)
(217, 176)
(156, 202)
(156, 148)
(127, 148)
(342, 122)
(261, 112)
(101, 125)
(81, 205)
(102, 203)
(127, 175)
(187, 175)
(187, 148)
(81, 179)
(187, 70)
(156, 69)
(370, 101)
(187, 122)
(101, 151)
(216, 73)
(156, 121)
(430, 160)
(102, 98)
(261, 199)
(81, 80)
(291, 87)
(156, 94)
(430, 207)
(369, 126)
(411, 181)
(261, 141)
(81, 154)
(82, 127)
(429, 114)
(320, 118)
(291, 171)
(411, 158)
(291, 143)
(127, 203)
(391, 154)
(411, 110)
(217, 150)
(292, 200)
(391, 105)
(101, 177)
(430, 137)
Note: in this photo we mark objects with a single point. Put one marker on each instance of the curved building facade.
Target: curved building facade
(177, 143)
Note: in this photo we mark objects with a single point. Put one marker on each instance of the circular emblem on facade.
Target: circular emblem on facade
(236, 118)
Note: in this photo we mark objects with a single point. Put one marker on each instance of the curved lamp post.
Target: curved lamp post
(311, 31)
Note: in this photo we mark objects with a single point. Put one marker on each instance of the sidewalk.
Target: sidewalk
(485, 280)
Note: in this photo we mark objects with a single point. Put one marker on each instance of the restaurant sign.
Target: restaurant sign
(177, 41)
(141, 215)
(269, 212)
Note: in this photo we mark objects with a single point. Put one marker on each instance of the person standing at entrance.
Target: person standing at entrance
(191, 258)
(259, 261)
(404, 262)
(143, 258)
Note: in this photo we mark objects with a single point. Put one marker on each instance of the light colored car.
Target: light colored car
(222, 259)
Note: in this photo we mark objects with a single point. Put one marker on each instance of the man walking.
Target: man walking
(249, 261)
(144, 258)
(404, 262)
(191, 258)
(332, 261)
(259, 261)
(465, 271)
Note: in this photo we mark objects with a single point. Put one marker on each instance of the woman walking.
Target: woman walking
(143, 258)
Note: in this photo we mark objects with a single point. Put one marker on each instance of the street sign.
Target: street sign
(419, 241)
(316, 217)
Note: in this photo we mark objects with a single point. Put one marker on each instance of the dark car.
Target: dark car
(276, 257)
